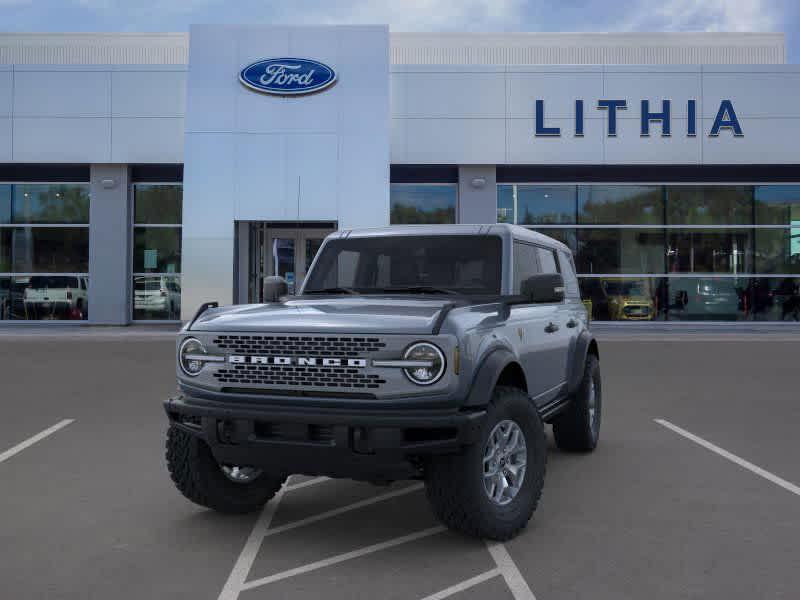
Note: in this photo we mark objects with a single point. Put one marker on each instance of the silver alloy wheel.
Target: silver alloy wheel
(240, 474)
(504, 460)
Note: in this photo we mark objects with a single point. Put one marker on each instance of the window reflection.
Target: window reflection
(157, 213)
(625, 298)
(156, 297)
(620, 204)
(44, 297)
(709, 205)
(44, 203)
(611, 251)
(710, 251)
(537, 204)
(777, 205)
(422, 203)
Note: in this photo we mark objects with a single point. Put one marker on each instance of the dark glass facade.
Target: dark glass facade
(422, 203)
(44, 251)
(156, 285)
(672, 252)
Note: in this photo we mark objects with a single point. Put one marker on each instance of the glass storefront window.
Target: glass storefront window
(156, 297)
(421, 203)
(44, 250)
(609, 251)
(709, 205)
(710, 251)
(708, 299)
(778, 205)
(625, 298)
(157, 250)
(157, 214)
(158, 204)
(778, 250)
(536, 204)
(568, 237)
(620, 204)
(44, 204)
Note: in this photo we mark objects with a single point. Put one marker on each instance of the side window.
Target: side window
(570, 279)
(525, 264)
(547, 259)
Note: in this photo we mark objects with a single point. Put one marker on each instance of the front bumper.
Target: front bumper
(368, 444)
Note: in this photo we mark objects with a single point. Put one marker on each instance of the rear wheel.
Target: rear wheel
(578, 428)
(224, 488)
(493, 487)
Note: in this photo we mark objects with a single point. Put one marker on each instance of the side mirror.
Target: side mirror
(544, 287)
(275, 288)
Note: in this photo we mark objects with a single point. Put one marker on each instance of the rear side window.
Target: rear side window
(526, 263)
(547, 260)
(570, 279)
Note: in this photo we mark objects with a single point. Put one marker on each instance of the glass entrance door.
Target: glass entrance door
(284, 251)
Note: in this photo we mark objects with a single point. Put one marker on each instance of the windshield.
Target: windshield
(444, 264)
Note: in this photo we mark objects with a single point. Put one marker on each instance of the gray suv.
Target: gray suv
(414, 352)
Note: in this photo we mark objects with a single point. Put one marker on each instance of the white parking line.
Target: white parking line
(510, 572)
(464, 585)
(243, 564)
(33, 439)
(788, 486)
(306, 483)
(333, 560)
(343, 509)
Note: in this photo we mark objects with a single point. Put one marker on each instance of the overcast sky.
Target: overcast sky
(413, 15)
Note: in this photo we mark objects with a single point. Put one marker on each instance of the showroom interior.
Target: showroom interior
(110, 212)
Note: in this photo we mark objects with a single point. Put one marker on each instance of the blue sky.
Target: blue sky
(414, 15)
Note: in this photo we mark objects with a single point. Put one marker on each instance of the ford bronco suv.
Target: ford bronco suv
(417, 352)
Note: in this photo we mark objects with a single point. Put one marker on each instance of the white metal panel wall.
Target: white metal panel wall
(253, 156)
(92, 113)
(476, 132)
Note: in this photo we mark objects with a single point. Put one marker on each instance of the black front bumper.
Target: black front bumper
(369, 444)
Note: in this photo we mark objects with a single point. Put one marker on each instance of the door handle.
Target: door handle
(572, 323)
(551, 327)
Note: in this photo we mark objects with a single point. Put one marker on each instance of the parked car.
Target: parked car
(628, 299)
(156, 295)
(705, 298)
(56, 297)
(425, 352)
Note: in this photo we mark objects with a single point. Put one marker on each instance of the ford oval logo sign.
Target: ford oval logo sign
(287, 76)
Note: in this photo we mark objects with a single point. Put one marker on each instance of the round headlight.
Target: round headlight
(430, 363)
(190, 356)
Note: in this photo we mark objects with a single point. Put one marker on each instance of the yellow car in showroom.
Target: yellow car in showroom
(628, 299)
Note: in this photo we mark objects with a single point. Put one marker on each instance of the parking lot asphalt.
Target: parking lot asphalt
(87, 510)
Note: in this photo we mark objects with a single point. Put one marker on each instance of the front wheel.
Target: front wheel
(493, 487)
(224, 488)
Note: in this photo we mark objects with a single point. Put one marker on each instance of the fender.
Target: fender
(488, 373)
(585, 340)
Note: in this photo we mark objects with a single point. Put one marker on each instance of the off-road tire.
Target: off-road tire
(573, 429)
(197, 476)
(454, 483)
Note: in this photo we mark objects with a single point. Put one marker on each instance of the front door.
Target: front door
(281, 250)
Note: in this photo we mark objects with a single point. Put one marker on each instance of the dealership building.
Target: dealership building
(144, 174)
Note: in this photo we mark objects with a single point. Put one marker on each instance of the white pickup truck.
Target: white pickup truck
(56, 296)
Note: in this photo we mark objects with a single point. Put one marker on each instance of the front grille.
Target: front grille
(634, 310)
(289, 345)
(292, 375)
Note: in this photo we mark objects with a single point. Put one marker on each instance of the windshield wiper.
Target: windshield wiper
(333, 290)
(417, 289)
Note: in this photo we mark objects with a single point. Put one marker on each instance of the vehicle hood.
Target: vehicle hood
(325, 315)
